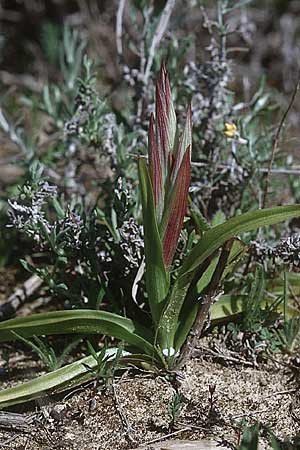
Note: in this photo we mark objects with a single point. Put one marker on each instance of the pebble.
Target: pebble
(176, 444)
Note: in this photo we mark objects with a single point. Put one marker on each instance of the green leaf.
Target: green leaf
(169, 319)
(201, 223)
(79, 321)
(60, 379)
(27, 266)
(275, 443)
(93, 351)
(238, 250)
(190, 307)
(69, 376)
(212, 240)
(58, 209)
(155, 168)
(43, 351)
(157, 280)
(188, 311)
(217, 236)
(218, 218)
(228, 308)
(250, 438)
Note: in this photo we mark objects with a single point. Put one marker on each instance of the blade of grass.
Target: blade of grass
(82, 322)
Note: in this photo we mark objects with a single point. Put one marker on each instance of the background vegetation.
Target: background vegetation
(77, 88)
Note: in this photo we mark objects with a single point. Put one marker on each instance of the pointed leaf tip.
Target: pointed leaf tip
(177, 209)
(165, 118)
(185, 143)
(155, 165)
(169, 167)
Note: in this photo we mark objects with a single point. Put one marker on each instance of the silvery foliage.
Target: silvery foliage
(287, 250)
(120, 258)
(93, 123)
(71, 227)
(129, 248)
(132, 244)
(208, 83)
(218, 179)
(76, 237)
(26, 211)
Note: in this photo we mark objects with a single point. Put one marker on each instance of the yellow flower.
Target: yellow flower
(230, 130)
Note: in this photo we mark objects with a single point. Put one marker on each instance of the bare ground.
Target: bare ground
(135, 410)
(216, 401)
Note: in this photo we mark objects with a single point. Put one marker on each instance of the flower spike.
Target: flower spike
(169, 164)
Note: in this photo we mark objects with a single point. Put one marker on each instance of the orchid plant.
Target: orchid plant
(173, 300)
(164, 183)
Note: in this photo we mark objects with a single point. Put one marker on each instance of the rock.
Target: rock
(177, 444)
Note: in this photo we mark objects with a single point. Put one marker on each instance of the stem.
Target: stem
(208, 299)
(19, 297)
(119, 28)
(158, 35)
(275, 143)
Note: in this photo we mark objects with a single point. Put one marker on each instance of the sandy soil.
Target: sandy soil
(135, 409)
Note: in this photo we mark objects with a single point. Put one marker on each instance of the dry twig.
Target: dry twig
(208, 298)
(127, 427)
(167, 436)
(19, 297)
(15, 421)
(228, 358)
(24, 81)
(275, 143)
(158, 35)
(119, 28)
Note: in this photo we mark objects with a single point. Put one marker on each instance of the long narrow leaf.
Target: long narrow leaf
(79, 321)
(165, 119)
(184, 144)
(176, 210)
(155, 167)
(56, 381)
(215, 237)
(67, 377)
(250, 438)
(169, 319)
(190, 307)
(201, 223)
(157, 280)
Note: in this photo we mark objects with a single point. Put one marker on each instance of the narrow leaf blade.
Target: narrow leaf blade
(217, 236)
(165, 119)
(184, 144)
(212, 240)
(69, 376)
(155, 165)
(250, 438)
(78, 321)
(157, 280)
(176, 210)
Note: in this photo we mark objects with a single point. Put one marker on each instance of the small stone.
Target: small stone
(177, 444)
(57, 412)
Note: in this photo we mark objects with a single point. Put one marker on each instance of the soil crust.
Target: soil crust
(216, 401)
